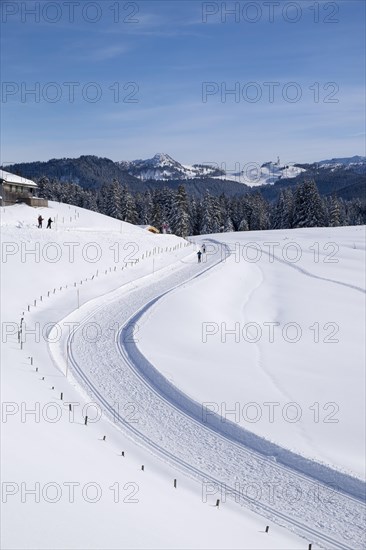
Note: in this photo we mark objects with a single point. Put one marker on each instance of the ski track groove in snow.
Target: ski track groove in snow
(115, 372)
(309, 274)
(261, 362)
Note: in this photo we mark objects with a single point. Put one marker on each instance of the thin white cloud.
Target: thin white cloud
(109, 52)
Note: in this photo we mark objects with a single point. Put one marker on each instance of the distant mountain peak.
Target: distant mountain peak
(348, 161)
(163, 157)
(163, 167)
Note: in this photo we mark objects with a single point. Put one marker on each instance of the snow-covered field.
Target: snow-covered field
(274, 340)
(63, 485)
(126, 328)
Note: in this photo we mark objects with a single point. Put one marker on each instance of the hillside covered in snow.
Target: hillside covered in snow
(94, 485)
(143, 396)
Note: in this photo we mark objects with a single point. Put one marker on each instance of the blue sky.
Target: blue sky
(295, 69)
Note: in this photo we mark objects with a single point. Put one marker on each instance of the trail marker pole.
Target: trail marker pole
(67, 362)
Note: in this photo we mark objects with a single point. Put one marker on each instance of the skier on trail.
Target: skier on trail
(204, 248)
(49, 222)
(40, 220)
(199, 255)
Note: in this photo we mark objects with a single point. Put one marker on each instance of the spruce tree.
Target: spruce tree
(89, 201)
(211, 220)
(334, 212)
(128, 206)
(283, 210)
(144, 206)
(46, 189)
(243, 226)
(180, 222)
(308, 206)
(228, 224)
(259, 213)
(114, 200)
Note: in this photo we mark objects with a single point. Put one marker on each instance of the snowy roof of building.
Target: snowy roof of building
(12, 178)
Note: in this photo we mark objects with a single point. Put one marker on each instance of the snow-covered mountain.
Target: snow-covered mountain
(92, 172)
(164, 167)
(267, 174)
(356, 163)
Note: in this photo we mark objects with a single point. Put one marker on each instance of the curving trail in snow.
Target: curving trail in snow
(320, 504)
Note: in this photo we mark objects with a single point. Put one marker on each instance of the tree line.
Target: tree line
(184, 215)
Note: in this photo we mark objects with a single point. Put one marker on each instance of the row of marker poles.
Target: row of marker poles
(104, 438)
(154, 251)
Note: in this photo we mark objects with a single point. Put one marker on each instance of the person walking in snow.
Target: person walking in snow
(199, 255)
(40, 220)
(204, 248)
(49, 222)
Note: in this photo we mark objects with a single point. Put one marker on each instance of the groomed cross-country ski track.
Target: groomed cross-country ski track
(324, 506)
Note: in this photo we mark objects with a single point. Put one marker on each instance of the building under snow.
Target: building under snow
(150, 228)
(15, 189)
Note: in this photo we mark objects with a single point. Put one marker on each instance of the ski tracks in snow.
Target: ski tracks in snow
(322, 505)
